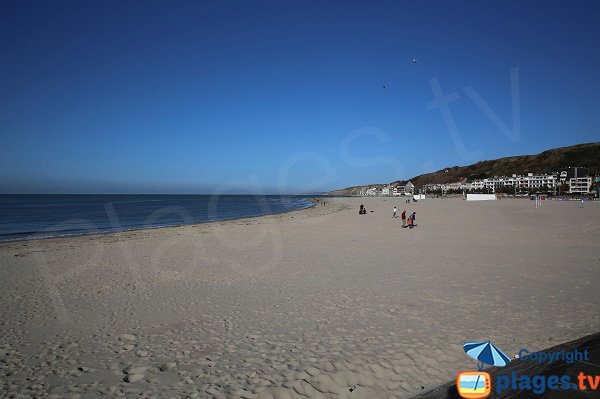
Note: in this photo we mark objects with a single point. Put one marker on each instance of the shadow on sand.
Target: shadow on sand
(521, 367)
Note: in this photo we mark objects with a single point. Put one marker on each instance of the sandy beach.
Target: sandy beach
(318, 303)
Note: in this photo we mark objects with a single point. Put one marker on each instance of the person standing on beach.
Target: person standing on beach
(395, 210)
(404, 218)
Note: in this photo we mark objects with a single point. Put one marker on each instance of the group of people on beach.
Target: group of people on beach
(406, 221)
(410, 222)
(320, 201)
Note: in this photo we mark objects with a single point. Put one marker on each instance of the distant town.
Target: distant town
(575, 181)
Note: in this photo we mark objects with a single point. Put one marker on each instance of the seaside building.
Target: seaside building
(402, 187)
(531, 181)
(574, 172)
(393, 189)
(577, 178)
(371, 192)
(580, 185)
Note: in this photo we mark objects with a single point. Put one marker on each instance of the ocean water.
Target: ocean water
(41, 216)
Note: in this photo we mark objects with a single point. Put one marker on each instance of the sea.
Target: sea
(26, 217)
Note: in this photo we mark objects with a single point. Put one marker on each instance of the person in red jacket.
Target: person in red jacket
(404, 218)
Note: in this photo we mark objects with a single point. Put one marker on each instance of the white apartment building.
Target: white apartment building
(371, 191)
(530, 181)
(478, 184)
(403, 188)
(580, 185)
(518, 182)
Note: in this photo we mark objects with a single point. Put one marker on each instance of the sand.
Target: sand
(589, 344)
(320, 303)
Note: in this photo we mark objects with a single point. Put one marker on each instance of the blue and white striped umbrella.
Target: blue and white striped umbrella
(487, 353)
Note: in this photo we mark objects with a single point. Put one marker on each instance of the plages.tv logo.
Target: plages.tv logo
(473, 384)
(478, 384)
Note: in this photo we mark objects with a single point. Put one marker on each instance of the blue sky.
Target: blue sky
(283, 96)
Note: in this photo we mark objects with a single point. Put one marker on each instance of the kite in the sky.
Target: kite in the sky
(413, 60)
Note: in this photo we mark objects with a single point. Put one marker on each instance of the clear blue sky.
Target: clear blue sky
(283, 96)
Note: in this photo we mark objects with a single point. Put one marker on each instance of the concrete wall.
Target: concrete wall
(481, 197)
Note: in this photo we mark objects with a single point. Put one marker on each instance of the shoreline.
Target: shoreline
(33, 237)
